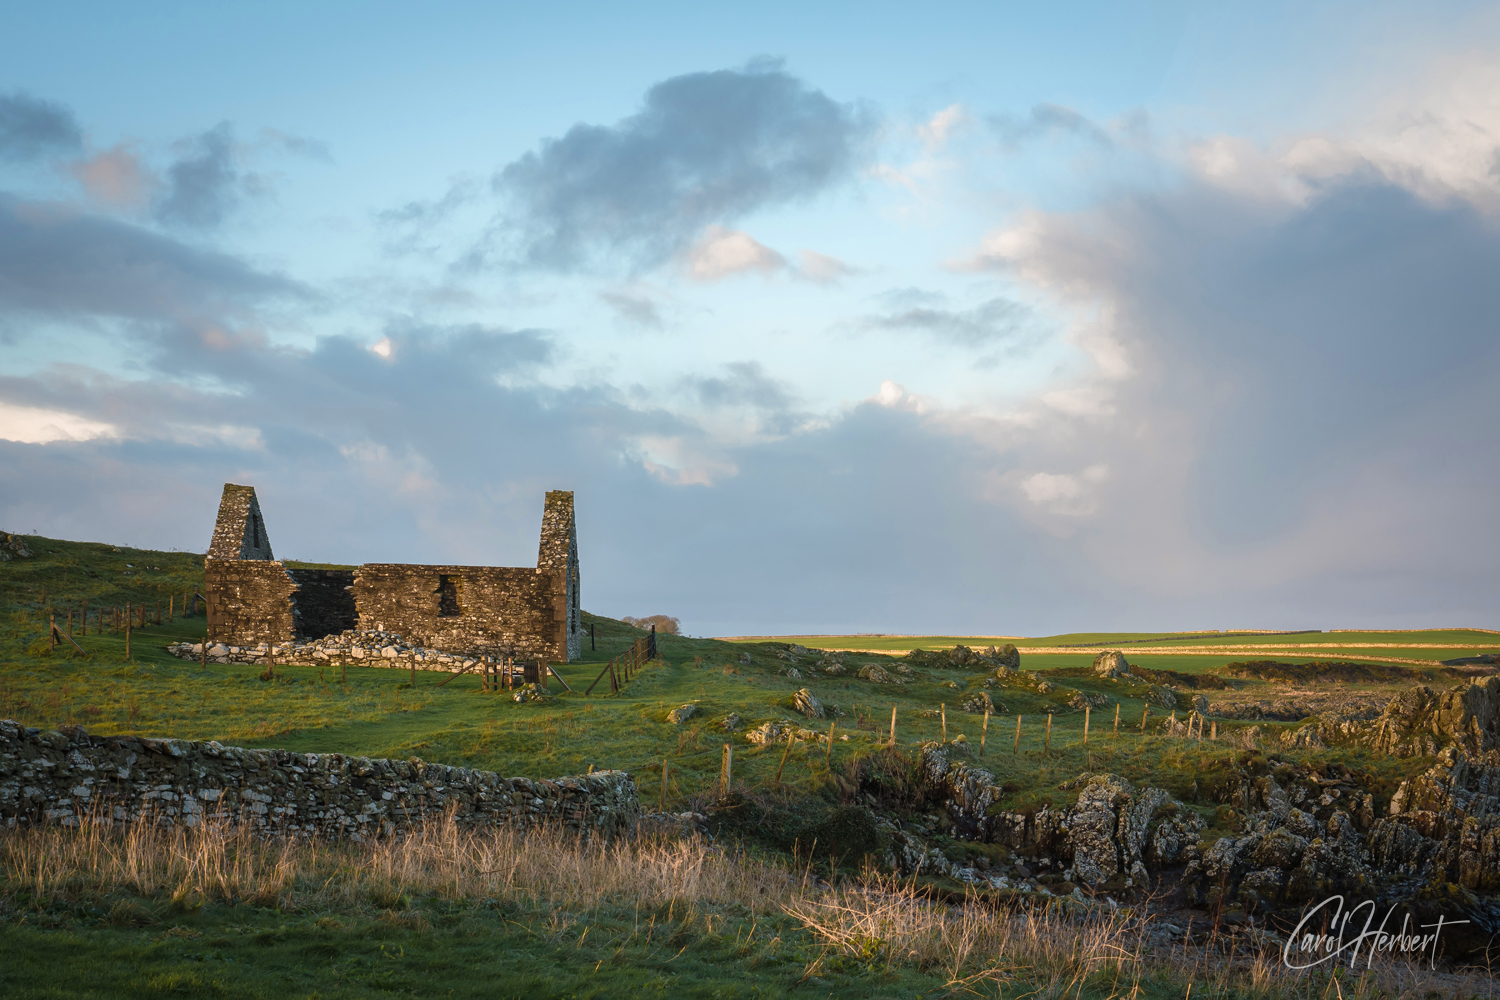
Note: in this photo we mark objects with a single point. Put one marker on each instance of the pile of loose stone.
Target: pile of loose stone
(355, 647)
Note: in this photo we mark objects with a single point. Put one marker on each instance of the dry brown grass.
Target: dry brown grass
(438, 860)
(877, 921)
(1060, 953)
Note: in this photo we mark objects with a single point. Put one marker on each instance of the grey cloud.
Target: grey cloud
(707, 148)
(62, 262)
(31, 128)
(206, 183)
(1044, 119)
(744, 383)
(985, 325)
(297, 145)
(636, 309)
(1303, 428)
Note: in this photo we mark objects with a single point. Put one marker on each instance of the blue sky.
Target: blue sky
(964, 317)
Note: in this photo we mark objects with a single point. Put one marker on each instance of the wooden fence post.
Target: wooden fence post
(943, 711)
(791, 735)
(1086, 710)
(726, 770)
(828, 757)
(1017, 748)
(1145, 713)
(51, 632)
(984, 731)
(1047, 746)
(1213, 733)
(893, 727)
(1117, 718)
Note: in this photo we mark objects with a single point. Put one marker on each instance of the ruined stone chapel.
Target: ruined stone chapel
(253, 598)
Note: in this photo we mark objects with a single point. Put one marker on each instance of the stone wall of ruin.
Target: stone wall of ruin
(239, 530)
(523, 611)
(65, 775)
(249, 601)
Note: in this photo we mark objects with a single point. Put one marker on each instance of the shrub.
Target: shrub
(665, 624)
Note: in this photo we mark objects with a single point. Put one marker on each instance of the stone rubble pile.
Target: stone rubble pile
(66, 775)
(355, 648)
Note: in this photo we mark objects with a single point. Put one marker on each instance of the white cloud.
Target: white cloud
(34, 425)
(937, 130)
(822, 268)
(1440, 139)
(1061, 493)
(890, 394)
(722, 252)
(382, 347)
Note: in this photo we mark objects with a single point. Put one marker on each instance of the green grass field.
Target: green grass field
(241, 951)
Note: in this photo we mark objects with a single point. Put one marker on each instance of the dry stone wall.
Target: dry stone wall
(65, 775)
(460, 607)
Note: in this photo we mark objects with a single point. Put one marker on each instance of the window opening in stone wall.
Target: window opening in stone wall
(254, 532)
(447, 592)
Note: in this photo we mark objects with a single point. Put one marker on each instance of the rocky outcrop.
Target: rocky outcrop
(980, 703)
(681, 714)
(1418, 722)
(13, 547)
(1444, 824)
(807, 703)
(1111, 834)
(64, 775)
(962, 657)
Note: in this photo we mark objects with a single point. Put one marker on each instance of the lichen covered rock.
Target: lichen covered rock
(808, 704)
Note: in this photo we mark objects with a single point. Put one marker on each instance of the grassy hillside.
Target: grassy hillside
(138, 940)
(379, 712)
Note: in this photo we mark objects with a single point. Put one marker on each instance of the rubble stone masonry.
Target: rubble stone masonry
(64, 775)
(522, 611)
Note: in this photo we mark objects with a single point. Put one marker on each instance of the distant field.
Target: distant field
(1198, 650)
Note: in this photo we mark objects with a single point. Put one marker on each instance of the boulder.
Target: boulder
(1006, 656)
(1111, 665)
(808, 704)
(875, 674)
(681, 714)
